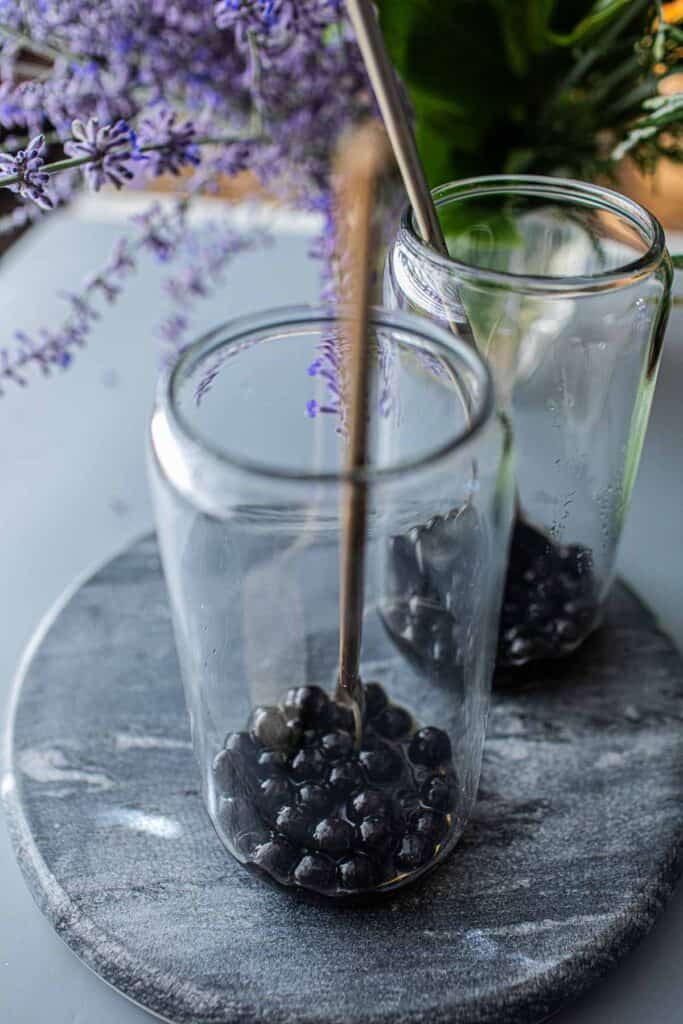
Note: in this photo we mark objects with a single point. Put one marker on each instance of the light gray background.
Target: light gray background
(73, 492)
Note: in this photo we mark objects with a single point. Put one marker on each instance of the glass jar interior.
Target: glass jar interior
(247, 490)
(535, 228)
(565, 287)
(252, 403)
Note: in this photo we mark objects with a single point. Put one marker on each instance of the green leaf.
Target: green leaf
(513, 25)
(663, 112)
(449, 50)
(436, 152)
(677, 260)
(602, 13)
(538, 15)
(519, 160)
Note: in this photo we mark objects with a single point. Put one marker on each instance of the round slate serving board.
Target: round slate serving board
(571, 852)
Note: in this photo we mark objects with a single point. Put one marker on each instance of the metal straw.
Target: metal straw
(391, 103)
(361, 162)
(399, 129)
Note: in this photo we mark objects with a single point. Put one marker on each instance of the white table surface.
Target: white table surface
(73, 492)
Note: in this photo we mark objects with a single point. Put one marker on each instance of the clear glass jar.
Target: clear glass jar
(566, 288)
(247, 492)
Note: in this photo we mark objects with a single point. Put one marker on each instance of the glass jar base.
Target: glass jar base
(298, 802)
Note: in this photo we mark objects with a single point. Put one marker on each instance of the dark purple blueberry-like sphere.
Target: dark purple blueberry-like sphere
(333, 836)
(430, 747)
(317, 873)
(357, 873)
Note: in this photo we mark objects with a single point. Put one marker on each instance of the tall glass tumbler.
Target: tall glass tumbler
(566, 287)
(247, 491)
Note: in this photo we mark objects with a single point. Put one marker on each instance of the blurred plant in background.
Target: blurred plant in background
(118, 92)
(538, 86)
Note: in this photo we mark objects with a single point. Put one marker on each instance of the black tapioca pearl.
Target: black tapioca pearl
(541, 592)
(580, 611)
(405, 803)
(374, 834)
(432, 825)
(369, 803)
(430, 747)
(273, 794)
(229, 773)
(242, 745)
(271, 764)
(308, 765)
(269, 726)
(566, 631)
(344, 778)
(568, 584)
(295, 823)
(375, 699)
(393, 722)
(438, 794)
(404, 563)
(316, 872)
(247, 842)
(333, 836)
(277, 857)
(415, 635)
(382, 763)
(520, 649)
(357, 873)
(413, 851)
(537, 611)
(441, 626)
(306, 704)
(340, 717)
(316, 799)
(336, 746)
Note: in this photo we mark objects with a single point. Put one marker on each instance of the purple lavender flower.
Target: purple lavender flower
(11, 110)
(254, 18)
(176, 142)
(267, 69)
(173, 329)
(108, 148)
(27, 165)
(84, 313)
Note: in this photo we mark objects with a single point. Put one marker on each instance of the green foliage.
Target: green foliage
(545, 86)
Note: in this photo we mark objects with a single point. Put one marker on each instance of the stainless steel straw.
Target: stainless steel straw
(361, 162)
(399, 129)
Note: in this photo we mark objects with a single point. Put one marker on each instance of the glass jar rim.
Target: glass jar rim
(233, 333)
(563, 189)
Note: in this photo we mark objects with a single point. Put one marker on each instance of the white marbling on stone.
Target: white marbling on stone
(572, 851)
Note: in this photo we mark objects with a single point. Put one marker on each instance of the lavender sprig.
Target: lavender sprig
(174, 142)
(26, 168)
(107, 152)
(55, 348)
(264, 84)
(163, 233)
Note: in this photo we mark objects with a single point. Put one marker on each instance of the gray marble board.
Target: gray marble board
(573, 848)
